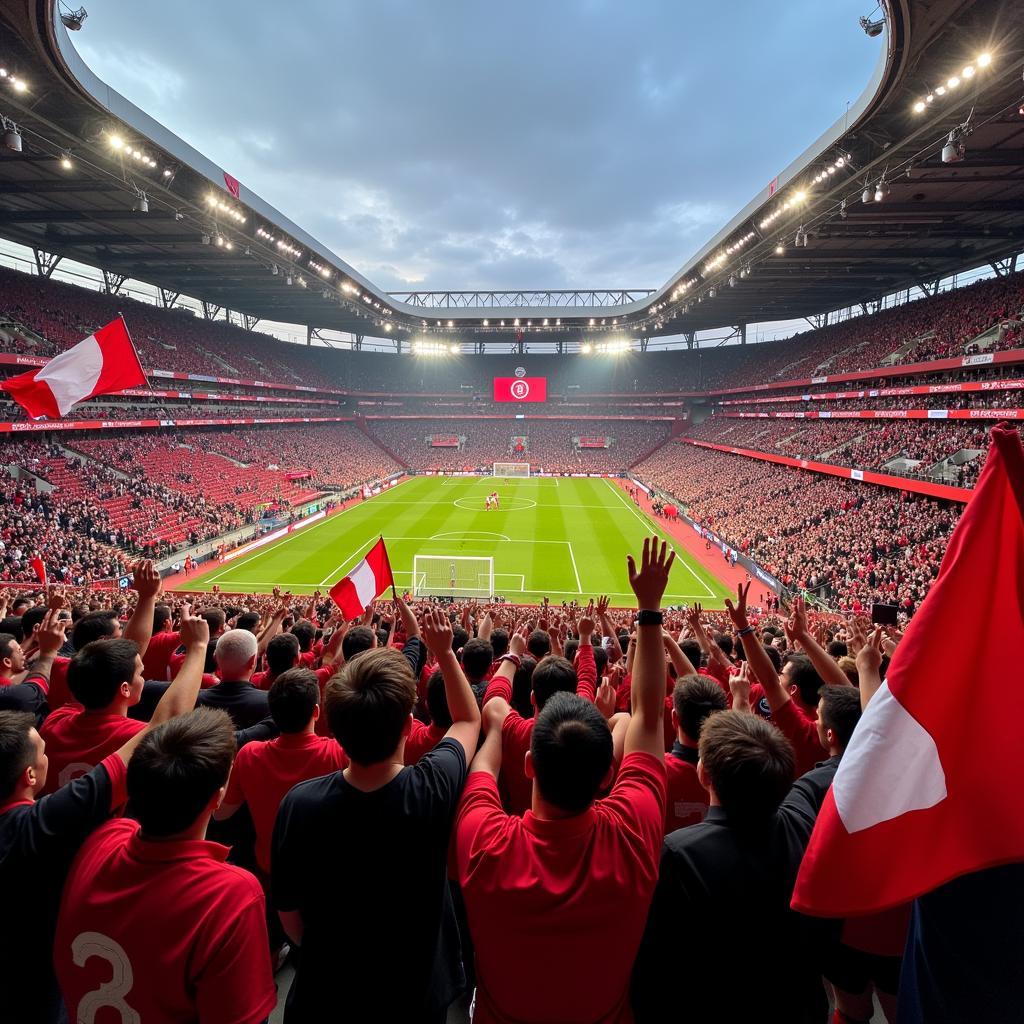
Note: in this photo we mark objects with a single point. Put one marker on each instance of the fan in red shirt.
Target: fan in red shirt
(552, 675)
(552, 895)
(162, 644)
(154, 925)
(105, 679)
(264, 772)
(424, 737)
(694, 698)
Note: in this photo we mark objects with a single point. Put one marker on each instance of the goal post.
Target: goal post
(452, 576)
(512, 469)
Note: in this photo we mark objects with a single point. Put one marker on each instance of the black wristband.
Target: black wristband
(649, 618)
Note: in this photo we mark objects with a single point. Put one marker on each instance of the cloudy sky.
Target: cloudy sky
(478, 144)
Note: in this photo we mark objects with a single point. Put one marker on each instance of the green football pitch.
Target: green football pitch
(554, 537)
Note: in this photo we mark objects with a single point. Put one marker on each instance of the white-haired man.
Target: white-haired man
(236, 660)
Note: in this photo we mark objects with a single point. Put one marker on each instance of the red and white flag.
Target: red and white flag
(231, 184)
(105, 363)
(370, 578)
(928, 788)
(39, 568)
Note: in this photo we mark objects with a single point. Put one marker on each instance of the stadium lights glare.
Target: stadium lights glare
(65, 162)
(487, 323)
(18, 85)
(586, 348)
(421, 347)
(780, 249)
(984, 59)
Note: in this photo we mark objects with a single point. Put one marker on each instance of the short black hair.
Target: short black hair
(32, 618)
(248, 620)
(553, 674)
(306, 632)
(96, 672)
(571, 746)
(840, 711)
(522, 686)
(725, 644)
(477, 656)
(98, 625)
(837, 649)
(215, 618)
(774, 657)
(6, 639)
(572, 645)
(538, 643)
(357, 640)
(11, 626)
(805, 676)
(16, 751)
(499, 641)
(161, 616)
(692, 651)
(292, 697)
(177, 768)
(694, 698)
(282, 651)
(459, 638)
(437, 701)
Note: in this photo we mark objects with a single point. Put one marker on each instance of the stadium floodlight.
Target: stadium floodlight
(65, 162)
(732, 280)
(919, 107)
(780, 249)
(289, 280)
(586, 348)
(984, 59)
(867, 195)
(141, 204)
(881, 190)
(73, 20)
(872, 28)
(12, 136)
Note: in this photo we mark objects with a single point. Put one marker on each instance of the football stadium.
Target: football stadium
(383, 640)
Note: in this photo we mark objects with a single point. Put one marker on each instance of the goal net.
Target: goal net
(452, 576)
(511, 469)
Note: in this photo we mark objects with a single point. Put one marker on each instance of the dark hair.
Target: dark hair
(16, 752)
(306, 632)
(572, 646)
(282, 651)
(837, 649)
(725, 644)
(161, 616)
(805, 676)
(522, 686)
(840, 711)
(692, 651)
(215, 618)
(694, 698)
(6, 639)
(96, 672)
(177, 768)
(499, 641)
(32, 618)
(12, 627)
(538, 643)
(459, 638)
(572, 751)
(357, 640)
(437, 701)
(477, 656)
(749, 763)
(292, 697)
(368, 703)
(248, 620)
(774, 657)
(98, 625)
(600, 660)
(553, 674)
(210, 664)
(19, 602)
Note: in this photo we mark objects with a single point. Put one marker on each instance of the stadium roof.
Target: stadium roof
(197, 238)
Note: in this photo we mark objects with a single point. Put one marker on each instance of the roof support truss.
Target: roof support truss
(46, 262)
(112, 282)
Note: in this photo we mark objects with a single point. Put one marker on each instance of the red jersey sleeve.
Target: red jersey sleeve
(638, 801)
(586, 672)
(479, 822)
(498, 687)
(236, 985)
(802, 733)
(624, 694)
(235, 793)
(118, 772)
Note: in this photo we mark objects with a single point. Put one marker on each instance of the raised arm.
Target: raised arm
(757, 659)
(682, 664)
(827, 667)
(646, 731)
(465, 728)
(869, 662)
(608, 630)
(146, 583)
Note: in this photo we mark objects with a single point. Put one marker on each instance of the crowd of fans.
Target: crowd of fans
(543, 811)
(846, 542)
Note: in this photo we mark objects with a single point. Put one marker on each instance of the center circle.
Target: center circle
(507, 504)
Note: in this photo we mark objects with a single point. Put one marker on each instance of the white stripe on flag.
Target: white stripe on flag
(73, 374)
(365, 582)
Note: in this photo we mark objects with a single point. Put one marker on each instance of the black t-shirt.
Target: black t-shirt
(367, 871)
(38, 841)
(246, 705)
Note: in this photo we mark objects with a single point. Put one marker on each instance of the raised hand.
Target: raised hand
(869, 656)
(605, 699)
(195, 630)
(602, 606)
(651, 579)
(739, 687)
(145, 580)
(437, 631)
(517, 641)
(49, 635)
(738, 611)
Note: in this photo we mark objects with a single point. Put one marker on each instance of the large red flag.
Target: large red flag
(39, 567)
(929, 787)
(370, 578)
(105, 363)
